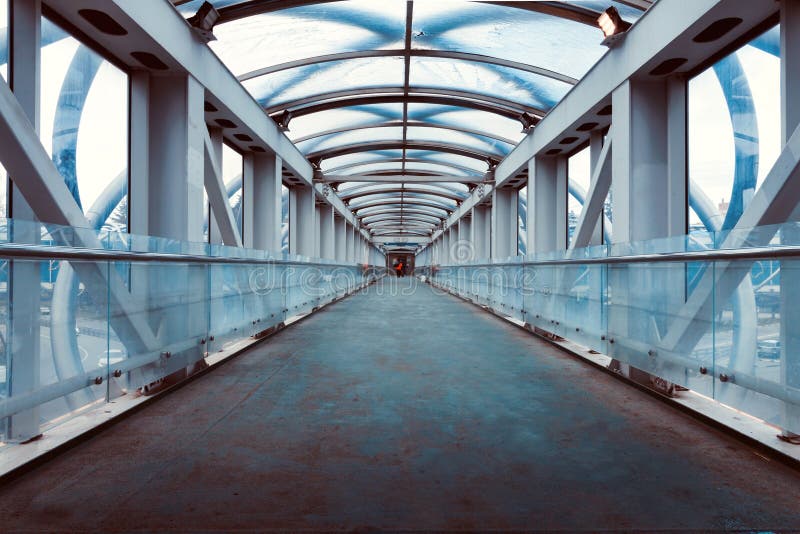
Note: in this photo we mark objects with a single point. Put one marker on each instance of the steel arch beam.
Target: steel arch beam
(399, 232)
(401, 160)
(407, 145)
(561, 10)
(348, 195)
(401, 211)
(366, 186)
(409, 177)
(446, 54)
(400, 225)
(402, 220)
(399, 123)
(402, 207)
(405, 200)
(395, 95)
(421, 219)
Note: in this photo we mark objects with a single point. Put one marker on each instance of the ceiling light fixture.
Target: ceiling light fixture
(613, 26)
(204, 20)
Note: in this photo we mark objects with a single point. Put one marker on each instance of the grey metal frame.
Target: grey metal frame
(445, 54)
(404, 145)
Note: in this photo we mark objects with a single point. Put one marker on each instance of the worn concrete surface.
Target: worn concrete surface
(405, 412)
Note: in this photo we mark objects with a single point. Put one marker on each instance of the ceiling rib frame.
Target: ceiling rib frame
(424, 53)
(354, 148)
(411, 124)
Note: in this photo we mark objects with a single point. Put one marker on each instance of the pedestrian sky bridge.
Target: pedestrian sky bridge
(399, 265)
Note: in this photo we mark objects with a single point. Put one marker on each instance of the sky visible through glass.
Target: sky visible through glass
(710, 133)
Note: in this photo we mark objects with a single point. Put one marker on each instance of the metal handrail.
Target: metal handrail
(753, 253)
(58, 252)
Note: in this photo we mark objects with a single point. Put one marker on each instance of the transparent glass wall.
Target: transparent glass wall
(84, 126)
(232, 167)
(734, 131)
(730, 336)
(579, 178)
(522, 226)
(101, 337)
(4, 36)
(284, 219)
(4, 55)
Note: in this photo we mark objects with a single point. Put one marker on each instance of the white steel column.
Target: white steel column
(176, 158)
(505, 225)
(302, 225)
(351, 244)
(790, 270)
(481, 231)
(648, 189)
(327, 232)
(24, 350)
(595, 148)
(648, 201)
(340, 229)
(547, 204)
(445, 256)
(177, 144)
(317, 230)
(248, 173)
(455, 245)
(217, 141)
(138, 192)
(267, 210)
(466, 245)
(362, 250)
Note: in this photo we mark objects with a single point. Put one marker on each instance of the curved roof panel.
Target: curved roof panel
(406, 105)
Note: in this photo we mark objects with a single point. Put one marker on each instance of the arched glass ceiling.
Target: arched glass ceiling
(382, 167)
(395, 88)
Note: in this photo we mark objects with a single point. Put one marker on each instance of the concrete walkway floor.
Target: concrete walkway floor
(410, 411)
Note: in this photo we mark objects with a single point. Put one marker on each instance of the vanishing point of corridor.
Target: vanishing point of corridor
(399, 409)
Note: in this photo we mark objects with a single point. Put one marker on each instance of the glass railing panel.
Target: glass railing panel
(231, 317)
(162, 321)
(579, 306)
(5, 346)
(756, 339)
(68, 371)
(652, 327)
(107, 327)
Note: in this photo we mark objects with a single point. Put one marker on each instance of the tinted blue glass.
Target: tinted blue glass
(365, 135)
(512, 85)
(341, 162)
(305, 32)
(509, 33)
(454, 159)
(343, 118)
(302, 82)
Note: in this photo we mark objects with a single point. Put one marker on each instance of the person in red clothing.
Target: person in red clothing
(399, 269)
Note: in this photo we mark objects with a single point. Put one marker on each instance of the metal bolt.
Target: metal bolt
(651, 352)
(166, 354)
(117, 373)
(577, 329)
(611, 340)
(703, 370)
(98, 380)
(602, 338)
(211, 338)
(202, 341)
(724, 378)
